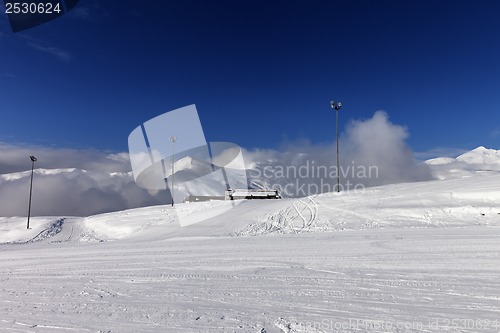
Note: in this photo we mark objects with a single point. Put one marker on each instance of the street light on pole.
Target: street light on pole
(173, 139)
(337, 106)
(33, 160)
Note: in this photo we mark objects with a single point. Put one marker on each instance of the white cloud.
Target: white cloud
(372, 152)
(378, 142)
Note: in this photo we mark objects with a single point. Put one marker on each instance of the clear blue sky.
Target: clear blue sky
(260, 72)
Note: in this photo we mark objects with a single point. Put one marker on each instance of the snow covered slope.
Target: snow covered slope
(447, 203)
(413, 257)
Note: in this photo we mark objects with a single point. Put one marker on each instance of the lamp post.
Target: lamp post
(33, 160)
(337, 106)
(173, 139)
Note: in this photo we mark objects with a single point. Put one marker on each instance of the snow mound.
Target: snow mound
(448, 203)
(48, 230)
(13, 230)
(132, 223)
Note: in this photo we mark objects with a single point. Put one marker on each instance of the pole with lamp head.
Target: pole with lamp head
(33, 160)
(336, 106)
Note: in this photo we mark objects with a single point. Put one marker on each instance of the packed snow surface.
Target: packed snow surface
(414, 257)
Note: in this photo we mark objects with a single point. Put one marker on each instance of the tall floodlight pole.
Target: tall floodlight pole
(33, 160)
(337, 106)
(173, 139)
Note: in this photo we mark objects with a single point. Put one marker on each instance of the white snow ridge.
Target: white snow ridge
(412, 257)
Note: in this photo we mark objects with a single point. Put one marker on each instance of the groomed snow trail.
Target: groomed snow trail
(381, 280)
(417, 257)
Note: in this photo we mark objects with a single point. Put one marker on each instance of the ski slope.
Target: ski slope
(449, 203)
(413, 257)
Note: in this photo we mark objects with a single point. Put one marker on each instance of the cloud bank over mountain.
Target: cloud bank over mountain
(85, 182)
(69, 182)
(15, 158)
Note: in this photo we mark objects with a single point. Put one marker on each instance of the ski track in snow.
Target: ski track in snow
(283, 283)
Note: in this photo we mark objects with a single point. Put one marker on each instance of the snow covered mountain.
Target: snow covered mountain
(477, 161)
(482, 156)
